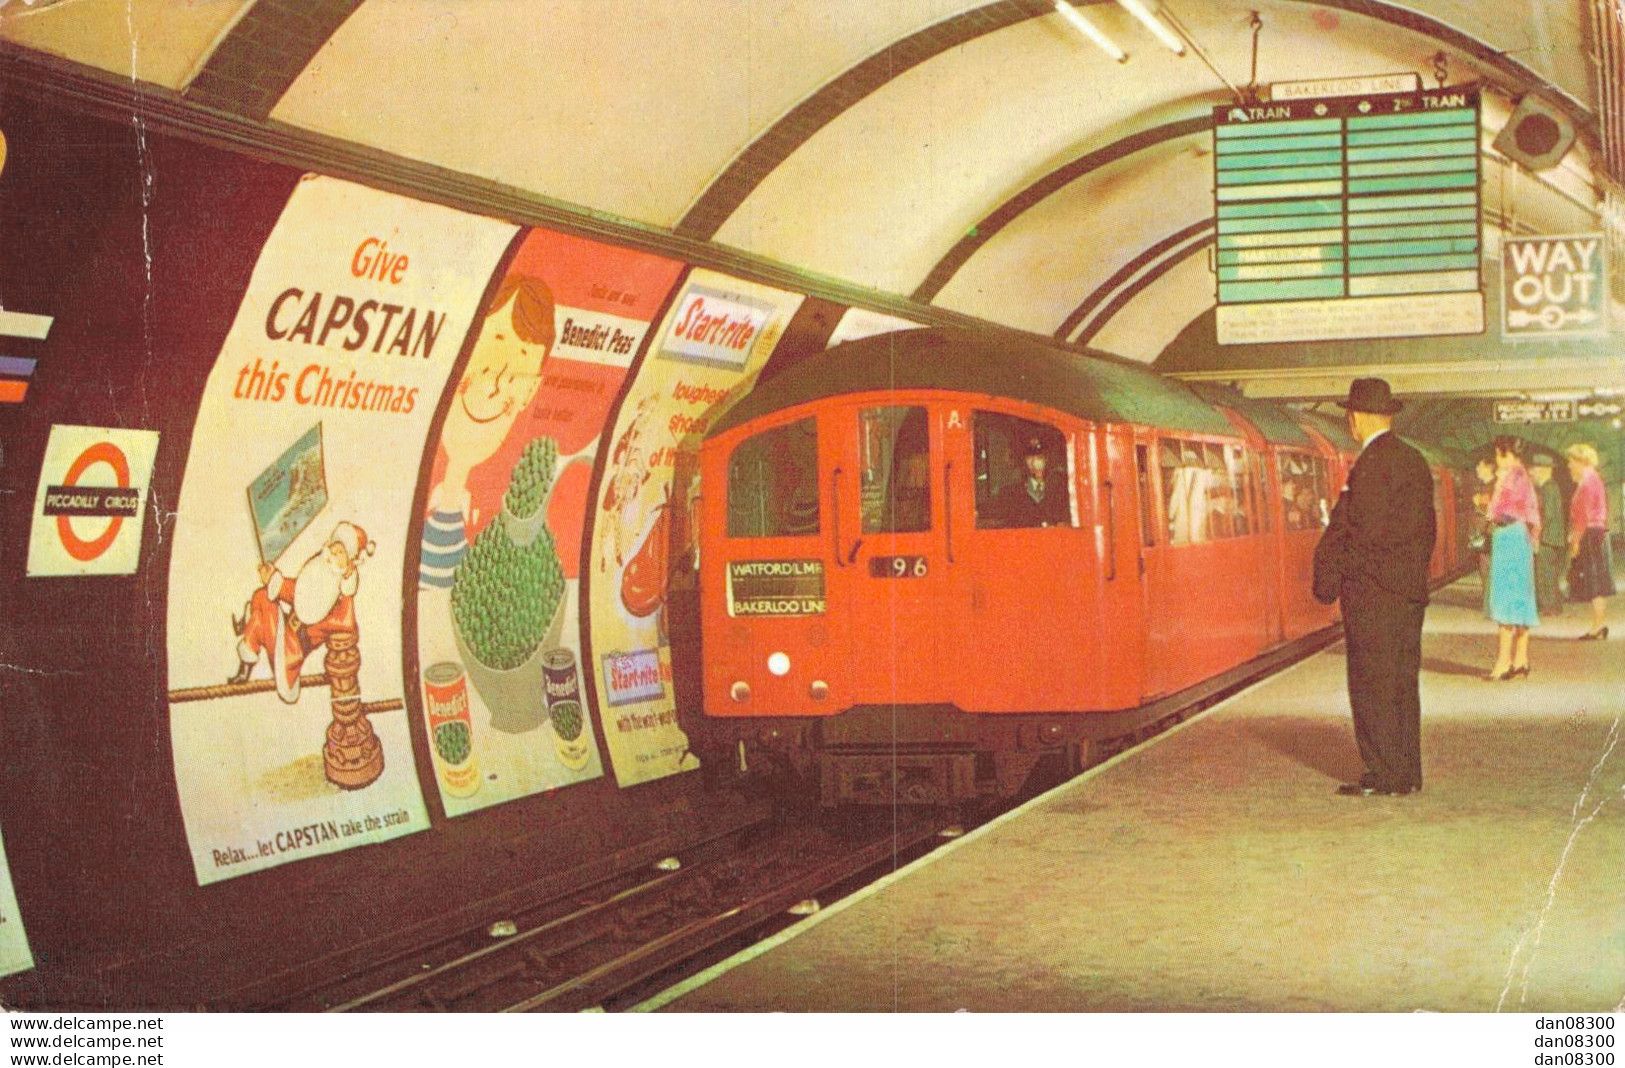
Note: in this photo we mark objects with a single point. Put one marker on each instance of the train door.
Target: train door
(1025, 543)
(1123, 516)
(1267, 518)
(889, 551)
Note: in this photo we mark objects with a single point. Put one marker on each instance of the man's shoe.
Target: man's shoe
(1357, 789)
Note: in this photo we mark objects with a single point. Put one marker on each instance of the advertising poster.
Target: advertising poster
(14, 952)
(499, 624)
(92, 501)
(715, 339)
(287, 711)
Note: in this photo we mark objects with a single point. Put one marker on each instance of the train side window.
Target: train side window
(1023, 473)
(894, 453)
(773, 483)
(1189, 490)
(1235, 462)
(1266, 522)
(1148, 525)
(1303, 486)
(1220, 493)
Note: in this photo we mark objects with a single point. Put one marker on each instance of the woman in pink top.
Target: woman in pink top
(1591, 574)
(1514, 513)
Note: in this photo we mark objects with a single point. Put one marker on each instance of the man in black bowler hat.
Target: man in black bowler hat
(1374, 557)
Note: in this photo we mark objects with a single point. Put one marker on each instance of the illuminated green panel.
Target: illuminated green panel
(1298, 290)
(1289, 207)
(1467, 131)
(1412, 118)
(1396, 233)
(1413, 166)
(1412, 264)
(1434, 150)
(1236, 146)
(1261, 271)
(1412, 215)
(1430, 200)
(1280, 174)
(1275, 225)
(1421, 181)
(1280, 159)
(1289, 254)
(1414, 248)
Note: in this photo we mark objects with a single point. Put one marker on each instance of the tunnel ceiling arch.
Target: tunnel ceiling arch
(977, 156)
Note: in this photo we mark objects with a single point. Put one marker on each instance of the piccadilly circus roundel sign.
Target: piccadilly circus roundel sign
(88, 513)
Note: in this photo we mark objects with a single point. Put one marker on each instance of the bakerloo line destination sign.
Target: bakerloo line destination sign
(1348, 217)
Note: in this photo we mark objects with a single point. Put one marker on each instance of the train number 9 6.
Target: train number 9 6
(898, 567)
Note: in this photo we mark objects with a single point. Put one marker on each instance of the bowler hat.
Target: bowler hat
(1371, 395)
(1032, 447)
(1542, 459)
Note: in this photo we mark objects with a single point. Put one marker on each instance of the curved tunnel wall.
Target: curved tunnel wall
(306, 362)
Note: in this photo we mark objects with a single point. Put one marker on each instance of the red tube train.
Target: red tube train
(891, 605)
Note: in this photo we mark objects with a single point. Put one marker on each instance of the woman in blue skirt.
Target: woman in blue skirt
(1515, 519)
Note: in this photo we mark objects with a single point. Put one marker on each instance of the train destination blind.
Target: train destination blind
(1349, 217)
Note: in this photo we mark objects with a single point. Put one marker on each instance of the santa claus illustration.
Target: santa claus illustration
(288, 619)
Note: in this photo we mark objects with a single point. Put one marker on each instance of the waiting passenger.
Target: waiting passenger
(1039, 499)
(1554, 536)
(1591, 574)
(1515, 513)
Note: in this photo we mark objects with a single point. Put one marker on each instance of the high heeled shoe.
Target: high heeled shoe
(1516, 673)
(1494, 677)
(1595, 635)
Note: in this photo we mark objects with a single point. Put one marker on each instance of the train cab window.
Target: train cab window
(1024, 474)
(773, 483)
(1148, 523)
(1303, 489)
(894, 453)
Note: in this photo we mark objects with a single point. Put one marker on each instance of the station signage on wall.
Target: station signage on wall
(1348, 217)
(91, 503)
(1524, 411)
(1554, 286)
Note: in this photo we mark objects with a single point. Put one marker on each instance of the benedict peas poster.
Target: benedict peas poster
(287, 711)
(499, 623)
(707, 353)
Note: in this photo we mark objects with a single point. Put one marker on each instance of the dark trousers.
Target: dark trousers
(1384, 633)
(1548, 564)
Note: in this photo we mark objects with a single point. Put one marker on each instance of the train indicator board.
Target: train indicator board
(1349, 217)
(1525, 411)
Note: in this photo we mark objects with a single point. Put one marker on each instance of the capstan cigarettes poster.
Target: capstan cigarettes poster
(499, 615)
(714, 340)
(15, 955)
(287, 709)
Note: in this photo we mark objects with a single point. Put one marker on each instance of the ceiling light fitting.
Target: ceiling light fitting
(1090, 30)
(1149, 20)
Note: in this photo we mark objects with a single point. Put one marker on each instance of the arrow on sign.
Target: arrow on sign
(1551, 317)
(1594, 409)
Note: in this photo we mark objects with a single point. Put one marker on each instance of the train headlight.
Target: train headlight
(740, 692)
(819, 689)
(778, 664)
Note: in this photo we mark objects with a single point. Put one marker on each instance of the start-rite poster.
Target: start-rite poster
(287, 709)
(706, 354)
(14, 953)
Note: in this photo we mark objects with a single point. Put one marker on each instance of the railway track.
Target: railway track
(608, 944)
(625, 937)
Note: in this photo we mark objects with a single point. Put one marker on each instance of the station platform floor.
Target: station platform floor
(1214, 869)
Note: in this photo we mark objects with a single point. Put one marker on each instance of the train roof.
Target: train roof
(1090, 387)
(1336, 430)
(1277, 426)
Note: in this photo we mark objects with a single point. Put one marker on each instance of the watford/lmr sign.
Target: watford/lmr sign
(1554, 287)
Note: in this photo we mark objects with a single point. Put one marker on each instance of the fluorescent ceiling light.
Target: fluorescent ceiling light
(1147, 18)
(1090, 30)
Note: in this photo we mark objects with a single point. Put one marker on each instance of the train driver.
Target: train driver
(1040, 498)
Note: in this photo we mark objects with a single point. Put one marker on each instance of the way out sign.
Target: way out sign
(92, 500)
(1554, 287)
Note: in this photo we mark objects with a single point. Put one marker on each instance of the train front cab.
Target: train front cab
(880, 578)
